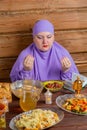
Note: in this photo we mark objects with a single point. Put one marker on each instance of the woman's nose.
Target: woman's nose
(44, 40)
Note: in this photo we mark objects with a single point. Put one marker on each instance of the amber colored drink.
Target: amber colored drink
(2, 121)
(2, 115)
(27, 101)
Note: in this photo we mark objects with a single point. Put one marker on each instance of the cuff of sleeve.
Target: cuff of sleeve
(64, 72)
(25, 74)
(26, 71)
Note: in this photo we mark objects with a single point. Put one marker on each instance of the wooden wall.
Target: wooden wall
(18, 16)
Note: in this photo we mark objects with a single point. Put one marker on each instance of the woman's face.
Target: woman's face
(43, 40)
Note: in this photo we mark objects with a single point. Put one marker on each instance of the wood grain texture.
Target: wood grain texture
(17, 18)
(66, 20)
(12, 44)
(12, 5)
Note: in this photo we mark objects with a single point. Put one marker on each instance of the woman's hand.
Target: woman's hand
(28, 62)
(66, 63)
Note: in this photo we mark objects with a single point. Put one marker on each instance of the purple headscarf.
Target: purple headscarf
(43, 26)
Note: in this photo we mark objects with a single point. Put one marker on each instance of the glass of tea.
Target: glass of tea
(30, 94)
(2, 115)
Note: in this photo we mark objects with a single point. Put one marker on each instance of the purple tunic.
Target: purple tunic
(47, 65)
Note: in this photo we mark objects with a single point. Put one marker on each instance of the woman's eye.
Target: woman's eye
(39, 37)
(49, 36)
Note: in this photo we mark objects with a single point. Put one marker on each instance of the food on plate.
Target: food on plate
(5, 91)
(3, 108)
(53, 85)
(38, 119)
(77, 105)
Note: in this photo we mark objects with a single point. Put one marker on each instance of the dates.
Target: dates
(53, 85)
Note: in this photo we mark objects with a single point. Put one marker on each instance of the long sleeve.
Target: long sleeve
(68, 73)
(73, 69)
(18, 72)
(19, 75)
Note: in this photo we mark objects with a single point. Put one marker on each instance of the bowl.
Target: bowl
(17, 86)
(53, 85)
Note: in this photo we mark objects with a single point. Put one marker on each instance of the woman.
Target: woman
(44, 59)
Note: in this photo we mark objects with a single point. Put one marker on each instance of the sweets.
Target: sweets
(5, 91)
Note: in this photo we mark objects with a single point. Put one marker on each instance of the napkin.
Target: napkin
(68, 83)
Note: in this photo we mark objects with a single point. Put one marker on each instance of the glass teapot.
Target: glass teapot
(30, 94)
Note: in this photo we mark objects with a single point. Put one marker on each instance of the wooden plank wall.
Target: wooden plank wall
(18, 16)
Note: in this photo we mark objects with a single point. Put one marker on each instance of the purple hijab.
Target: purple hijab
(47, 65)
(43, 26)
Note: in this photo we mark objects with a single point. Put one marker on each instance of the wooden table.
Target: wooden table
(69, 122)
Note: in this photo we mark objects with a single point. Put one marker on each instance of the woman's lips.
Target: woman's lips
(45, 46)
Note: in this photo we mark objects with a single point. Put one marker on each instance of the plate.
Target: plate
(53, 85)
(59, 113)
(60, 100)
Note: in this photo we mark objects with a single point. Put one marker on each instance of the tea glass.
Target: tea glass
(2, 115)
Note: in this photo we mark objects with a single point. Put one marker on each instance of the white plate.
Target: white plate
(61, 99)
(59, 112)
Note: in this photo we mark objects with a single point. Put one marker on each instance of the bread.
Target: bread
(5, 91)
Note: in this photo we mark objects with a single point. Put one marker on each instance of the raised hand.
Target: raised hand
(28, 62)
(66, 63)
